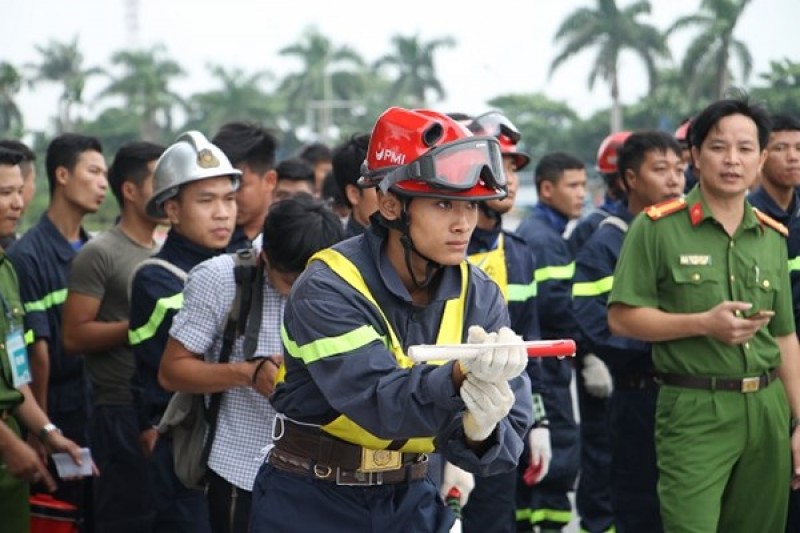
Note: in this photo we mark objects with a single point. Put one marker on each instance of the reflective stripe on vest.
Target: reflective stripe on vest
(592, 288)
(450, 331)
(493, 262)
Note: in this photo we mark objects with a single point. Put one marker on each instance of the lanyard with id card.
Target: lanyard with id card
(16, 353)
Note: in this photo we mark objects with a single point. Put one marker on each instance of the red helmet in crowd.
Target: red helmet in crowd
(425, 153)
(682, 133)
(498, 125)
(607, 153)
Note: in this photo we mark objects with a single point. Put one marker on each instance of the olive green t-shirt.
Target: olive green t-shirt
(685, 262)
(102, 269)
(10, 316)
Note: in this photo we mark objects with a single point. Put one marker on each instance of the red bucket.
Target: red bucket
(49, 515)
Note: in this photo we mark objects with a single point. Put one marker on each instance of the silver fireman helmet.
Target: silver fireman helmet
(190, 158)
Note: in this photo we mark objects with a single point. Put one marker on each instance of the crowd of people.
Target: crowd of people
(287, 294)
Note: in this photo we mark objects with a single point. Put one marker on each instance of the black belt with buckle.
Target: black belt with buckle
(635, 381)
(743, 385)
(288, 462)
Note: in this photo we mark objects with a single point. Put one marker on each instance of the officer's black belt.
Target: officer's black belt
(288, 462)
(312, 443)
(744, 385)
(635, 381)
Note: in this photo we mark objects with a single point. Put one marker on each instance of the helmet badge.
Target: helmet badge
(206, 159)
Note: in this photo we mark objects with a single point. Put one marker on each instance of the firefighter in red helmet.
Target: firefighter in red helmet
(357, 417)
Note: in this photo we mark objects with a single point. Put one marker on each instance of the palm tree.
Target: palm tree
(320, 85)
(63, 63)
(612, 31)
(712, 48)
(239, 97)
(144, 86)
(413, 61)
(10, 115)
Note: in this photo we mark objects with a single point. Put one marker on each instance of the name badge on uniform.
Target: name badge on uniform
(17, 358)
(696, 260)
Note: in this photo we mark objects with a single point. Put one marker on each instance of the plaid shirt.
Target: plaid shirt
(244, 425)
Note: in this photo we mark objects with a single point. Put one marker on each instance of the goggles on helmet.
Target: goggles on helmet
(457, 166)
(495, 124)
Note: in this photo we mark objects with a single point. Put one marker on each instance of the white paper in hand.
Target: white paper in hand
(67, 468)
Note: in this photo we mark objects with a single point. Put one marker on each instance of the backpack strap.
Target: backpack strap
(246, 272)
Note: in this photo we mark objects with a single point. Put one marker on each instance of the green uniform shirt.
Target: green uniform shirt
(685, 262)
(9, 292)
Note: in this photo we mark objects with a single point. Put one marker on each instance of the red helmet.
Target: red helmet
(425, 153)
(607, 153)
(498, 125)
(682, 133)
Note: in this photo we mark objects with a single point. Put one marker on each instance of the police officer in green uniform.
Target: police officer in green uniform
(19, 463)
(704, 279)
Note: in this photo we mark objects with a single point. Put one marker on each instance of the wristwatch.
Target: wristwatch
(795, 422)
(46, 430)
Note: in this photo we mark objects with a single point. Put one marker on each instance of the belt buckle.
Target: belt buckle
(360, 479)
(751, 384)
(380, 460)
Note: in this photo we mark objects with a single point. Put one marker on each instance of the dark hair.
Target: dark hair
(9, 157)
(130, 164)
(552, 166)
(709, 117)
(784, 122)
(249, 144)
(332, 194)
(295, 229)
(64, 151)
(28, 156)
(347, 160)
(315, 153)
(295, 169)
(634, 150)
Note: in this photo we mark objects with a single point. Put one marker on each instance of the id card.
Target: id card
(17, 358)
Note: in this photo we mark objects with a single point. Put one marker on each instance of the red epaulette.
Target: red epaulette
(667, 207)
(767, 220)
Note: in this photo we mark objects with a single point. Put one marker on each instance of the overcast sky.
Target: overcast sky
(504, 50)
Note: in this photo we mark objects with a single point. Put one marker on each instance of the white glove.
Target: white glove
(596, 377)
(541, 453)
(487, 404)
(456, 478)
(495, 364)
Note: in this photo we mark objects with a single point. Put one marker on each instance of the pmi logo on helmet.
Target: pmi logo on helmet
(384, 154)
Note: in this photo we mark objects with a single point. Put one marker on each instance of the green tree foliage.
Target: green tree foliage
(144, 85)
(780, 89)
(611, 31)
(11, 122)
(412, 62)
(62, 63)
(711, 50)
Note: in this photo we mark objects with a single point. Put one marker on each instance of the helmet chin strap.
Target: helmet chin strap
(402, 225)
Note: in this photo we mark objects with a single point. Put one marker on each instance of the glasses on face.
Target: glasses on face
(456, 166)
(495, 124)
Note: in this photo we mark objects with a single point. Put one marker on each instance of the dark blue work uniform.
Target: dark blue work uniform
(547, 504)
(353, 228)
(633, 470)
(41, 258)
(494, 495)
(589, 222)
(593, 495)
(338, 365)
(239, 240)
(790, 218)
(156, 297)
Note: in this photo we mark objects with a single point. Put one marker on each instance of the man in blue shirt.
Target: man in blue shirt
(561, 187)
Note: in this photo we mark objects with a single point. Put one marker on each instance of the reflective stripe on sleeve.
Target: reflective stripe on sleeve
(794, 264)
(149, 329)
(520, 293)
(328, 346)
(50, 300)
(555, 272)
(592, 288)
